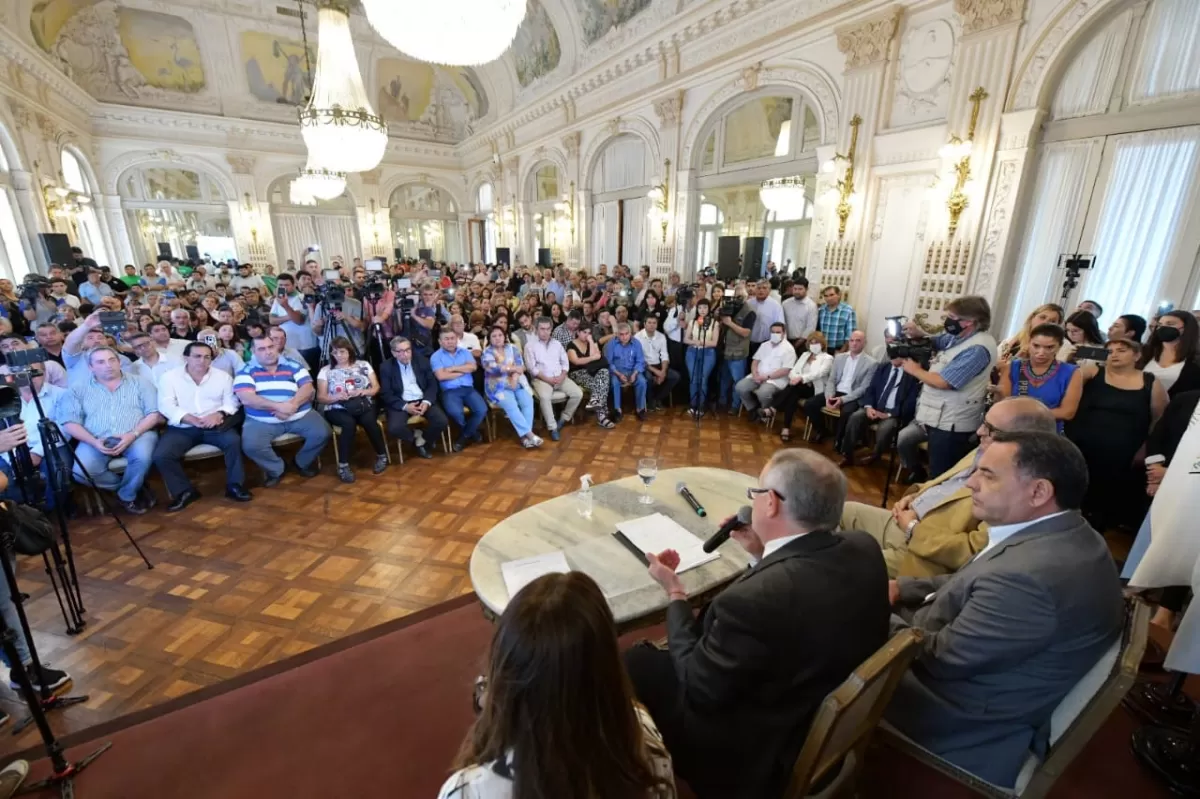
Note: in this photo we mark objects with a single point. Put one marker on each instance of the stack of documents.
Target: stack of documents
(657, 532)
(520, 573)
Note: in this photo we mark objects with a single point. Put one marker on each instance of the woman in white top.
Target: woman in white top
(346, 387)
(806, 379)
(558, 718)
(701, 337)
(1171, 353)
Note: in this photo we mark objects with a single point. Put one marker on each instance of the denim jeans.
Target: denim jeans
(453, 400)
(257, 437)
(639, 392)
(700, 363)
(139, 458)
(518, 407)
(732, 373)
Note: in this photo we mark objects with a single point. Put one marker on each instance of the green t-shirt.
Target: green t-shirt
(131, 280)
(271, 283)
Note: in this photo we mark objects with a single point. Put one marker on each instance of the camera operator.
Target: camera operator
(291, 313)
(951, 405)
(37, 306)
(56, 403)
(739, 318)
(349, 316)
(427, 318)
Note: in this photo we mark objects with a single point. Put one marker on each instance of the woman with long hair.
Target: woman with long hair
(556, 314)
(651, 306)
(589, 370)
(1041, 375)
(1170, 355)
(1080, 330)
(346, 388)
(701, 339)
(558, 717)
(228, 339)
(1018, 345)
(506, 387)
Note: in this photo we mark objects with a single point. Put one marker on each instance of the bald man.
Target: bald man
(932, 529)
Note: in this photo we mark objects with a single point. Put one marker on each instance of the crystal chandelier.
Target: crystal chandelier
(300, 193)
(456, 32)
(319, 184)
(340, 129)
(784, 196)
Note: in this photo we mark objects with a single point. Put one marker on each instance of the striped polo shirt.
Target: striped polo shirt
(278, 386)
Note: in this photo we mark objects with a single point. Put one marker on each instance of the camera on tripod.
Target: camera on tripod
(32, 286)
(730, 303)
(917, 348)
(329, 295)
(684, 294)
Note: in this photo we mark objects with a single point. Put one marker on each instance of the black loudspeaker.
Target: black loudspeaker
(164, 250)
(503, 256)
(543, 257)
(57, 248)
(193, 252)
(399, 254)
(754, 257)
(728, 250)
(425, 255)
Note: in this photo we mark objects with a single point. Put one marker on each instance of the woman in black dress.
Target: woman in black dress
(1119, 405)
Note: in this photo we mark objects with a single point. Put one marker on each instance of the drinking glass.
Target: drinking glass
(647, 470)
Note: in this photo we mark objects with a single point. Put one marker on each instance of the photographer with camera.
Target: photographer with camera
(80, 342)
(291, 312)
(426, 319)
(344, 312)
(951, 404)
(739, 318)
(36, 304)
(57, 404)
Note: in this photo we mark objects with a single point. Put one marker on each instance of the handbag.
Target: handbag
(356, 406)
(27, 530)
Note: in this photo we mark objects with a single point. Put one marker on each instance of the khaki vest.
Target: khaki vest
(737, 345)
(958, 411)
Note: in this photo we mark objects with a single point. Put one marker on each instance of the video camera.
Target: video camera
(684, 294)
(32, 286)
(329, 294)
(376, 285)
(919, 349)
(730, 303)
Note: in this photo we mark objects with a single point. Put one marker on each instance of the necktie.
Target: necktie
(887, 388)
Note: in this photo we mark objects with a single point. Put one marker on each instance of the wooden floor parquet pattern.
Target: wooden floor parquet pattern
(238, 586)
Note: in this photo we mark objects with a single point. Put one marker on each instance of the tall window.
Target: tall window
(87, 226)
(487, 205)
(425, 218)
(12, 252)
(180, 208)
(711, 220)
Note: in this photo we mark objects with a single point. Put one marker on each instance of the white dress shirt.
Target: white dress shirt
(408, 378)
(846, 383)
(179, 395)
(999, 533)
(774, 544)
(773, 357)
(655, 349)
(800, 317)
(154, 373)
(469, 341)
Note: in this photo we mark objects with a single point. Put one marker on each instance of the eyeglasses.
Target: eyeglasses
(750, 492)
(990, 429)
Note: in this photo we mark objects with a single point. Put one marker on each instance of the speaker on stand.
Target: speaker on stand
(729, 248)
(543, 257)
(57, 248)
(504, 256)
(754, 257)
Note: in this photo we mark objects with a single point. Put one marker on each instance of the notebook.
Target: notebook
(657, 532)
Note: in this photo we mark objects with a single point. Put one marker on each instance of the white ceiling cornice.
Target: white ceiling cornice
(34, 66)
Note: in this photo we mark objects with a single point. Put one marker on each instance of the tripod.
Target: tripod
(334, 326)
(63, 771)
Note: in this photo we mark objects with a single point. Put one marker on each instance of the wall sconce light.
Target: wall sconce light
(660, 197)
(373, 220)
(958, 152)
(844, 164)
(567, 208)
(251, 216)
(63, 202)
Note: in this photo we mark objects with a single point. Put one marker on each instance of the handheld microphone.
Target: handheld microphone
(683, 491)
(744, 514)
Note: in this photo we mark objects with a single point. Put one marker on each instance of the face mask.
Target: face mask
(815, 349)
(776, 338)
(1166, 334)
(953, 326)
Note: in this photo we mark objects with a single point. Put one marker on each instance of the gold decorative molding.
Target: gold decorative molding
(982, 15)
(241, 164)
(669, 109)
(571, 143)
(868, 41)
(750, 77)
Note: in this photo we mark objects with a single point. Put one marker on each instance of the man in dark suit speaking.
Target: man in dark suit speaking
(737, 688)
(1012, 631)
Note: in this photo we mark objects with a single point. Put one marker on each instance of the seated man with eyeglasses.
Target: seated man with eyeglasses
(932, 529)
(737, 688)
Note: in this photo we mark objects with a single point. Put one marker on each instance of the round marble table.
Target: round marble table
(590, 547)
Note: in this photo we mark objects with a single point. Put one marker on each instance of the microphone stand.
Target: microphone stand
(698, 379)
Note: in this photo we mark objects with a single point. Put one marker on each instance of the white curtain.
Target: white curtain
(294, 233)
(604, 234)
(633, 238)
(1051, 226)
(338, 235)
(622, 165)
(1170, 52)
(15, 262)
(1088, 84)
(1148, 197)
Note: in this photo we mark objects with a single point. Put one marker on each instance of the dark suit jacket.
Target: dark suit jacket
(1006, 638)
(906, 394)
(1188, 380)
(391, 386)
(756, 666)
(1167, 434)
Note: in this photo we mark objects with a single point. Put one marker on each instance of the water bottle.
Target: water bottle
(583, 498)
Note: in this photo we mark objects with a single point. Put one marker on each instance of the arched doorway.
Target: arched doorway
(771, 135)
(84, 224)
(176, 212)
(14, 247)
(481, 231)
(425, 219)
(619, 182)
(547, 218)
(1118, 171)
(331, 226)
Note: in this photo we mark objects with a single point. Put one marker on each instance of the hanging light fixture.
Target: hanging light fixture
(456, 32)
(784, 196)
(300, 193)
(340, 128)
(320, 184)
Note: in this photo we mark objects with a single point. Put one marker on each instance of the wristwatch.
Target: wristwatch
(911, 526)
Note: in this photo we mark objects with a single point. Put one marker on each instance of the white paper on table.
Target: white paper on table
(657, 532)
(520, 573)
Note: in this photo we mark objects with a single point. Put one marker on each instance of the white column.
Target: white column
(109, 206)
(33, 215)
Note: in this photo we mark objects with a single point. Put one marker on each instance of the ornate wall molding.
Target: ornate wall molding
(404, 177)
(241, 164)
(669, 109)
(635, 125)
(819, 88)
(548, 155)
(869, 41)
(111, 172)
(996, 232)
(982, 15)
(1055, 40)
(571, 143)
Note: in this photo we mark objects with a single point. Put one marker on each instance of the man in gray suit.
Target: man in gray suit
(1010, 633)
(852, 373)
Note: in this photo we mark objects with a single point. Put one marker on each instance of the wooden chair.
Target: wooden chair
(842, 728)
(200, 452)
(1076, 719)
(382, 429)
(832, 413)
(421, 422)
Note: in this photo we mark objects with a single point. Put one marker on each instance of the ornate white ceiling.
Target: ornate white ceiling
(245, 58)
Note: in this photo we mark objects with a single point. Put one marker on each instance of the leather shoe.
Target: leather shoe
(461, 444)
(424, 452)
(273, 480)
(183, 500)
(310, 471)
(237, 493)
(132, 507)
(555, 435)
(641, 415)
(845, 461)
